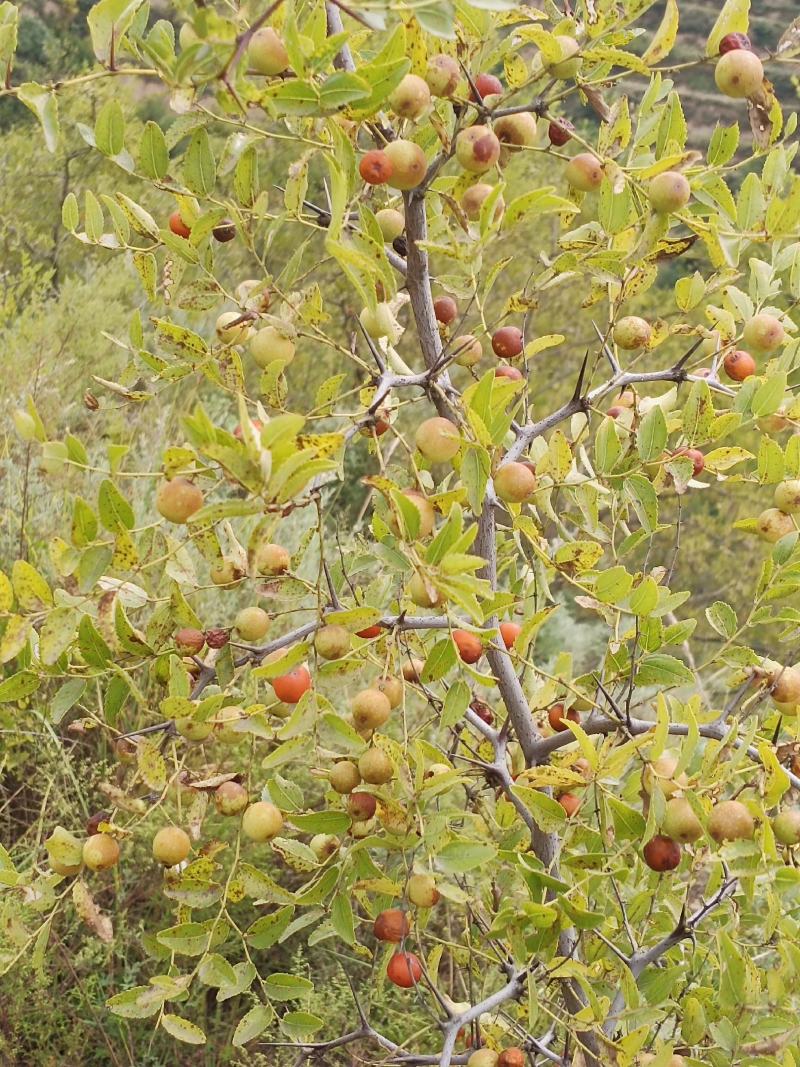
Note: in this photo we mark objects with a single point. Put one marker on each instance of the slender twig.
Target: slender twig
(684, 929)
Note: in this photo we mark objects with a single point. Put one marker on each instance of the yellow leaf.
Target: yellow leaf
(6, 592)
(516, 70)
(539, 344)
(151, 765)
(664, 38)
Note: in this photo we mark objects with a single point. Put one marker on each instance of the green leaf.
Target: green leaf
(341, 921)
(66, 697)
(660, 669)
(122, 227)
(57, 634)
(455, 704)
(199, 167)
(215, 971)
(94, 220)
(342, 88)
(475, 469)
(108, 20)
(733, 974)
(18, 686)
(437, 18)
(252, 1024)
(295, 97)
(722, 618)
(115, 512)
(280, 986)
(541, 344)
(183, 1030)
(300, 1024)
(245, 177)
(640, 492)
(9, 23)
(537, 202)
(382, 78)
(129, 638)
(547, 813)
(628, 822)
(607, 447)
(193, 939)
(153, 152)
(92, 646)
(458, 857)
(613, 585)
(43, 103)
(109, 128)
(723, 144)
(581, 917)
(441, 659)
(698, 412)
(769, 395)
(651, 437)
(70, 214)
(644, 598)
(322, 822)
(266, 931)
(689, 291)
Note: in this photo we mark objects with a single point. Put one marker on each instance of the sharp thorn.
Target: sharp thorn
(612, 359)
(683, 360)
(579, 384)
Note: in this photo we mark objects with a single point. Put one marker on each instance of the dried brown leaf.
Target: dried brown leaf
(90, 913)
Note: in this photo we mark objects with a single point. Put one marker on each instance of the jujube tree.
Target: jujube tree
(555, 864)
